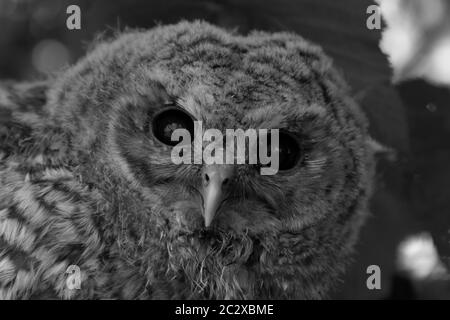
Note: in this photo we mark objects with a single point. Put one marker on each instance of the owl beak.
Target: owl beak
(216, 179)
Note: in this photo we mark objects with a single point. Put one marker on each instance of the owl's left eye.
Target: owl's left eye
(167, 121)
(289, 151)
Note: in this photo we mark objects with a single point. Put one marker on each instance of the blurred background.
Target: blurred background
(407, 235)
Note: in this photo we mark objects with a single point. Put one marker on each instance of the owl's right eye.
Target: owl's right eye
(167, 121)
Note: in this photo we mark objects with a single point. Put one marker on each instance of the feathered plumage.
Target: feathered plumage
(84, 182)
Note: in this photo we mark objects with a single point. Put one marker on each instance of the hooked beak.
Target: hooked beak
(216, 179)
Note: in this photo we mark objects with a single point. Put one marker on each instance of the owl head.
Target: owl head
(225, 229)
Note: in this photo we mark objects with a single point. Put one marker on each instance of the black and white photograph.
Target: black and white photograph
(223, 155)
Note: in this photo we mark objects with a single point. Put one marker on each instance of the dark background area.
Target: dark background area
(413, 182)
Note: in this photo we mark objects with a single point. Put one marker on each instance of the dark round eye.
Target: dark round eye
(289, 152)
(165, 122)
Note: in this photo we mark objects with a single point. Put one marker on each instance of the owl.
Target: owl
(87, 181)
